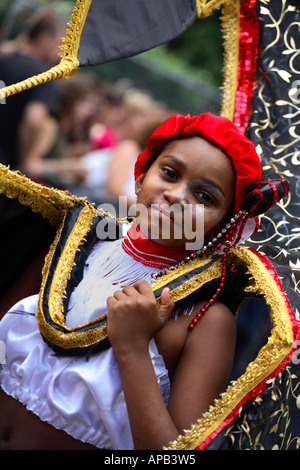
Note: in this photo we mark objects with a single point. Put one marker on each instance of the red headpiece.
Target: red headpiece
(217, 129)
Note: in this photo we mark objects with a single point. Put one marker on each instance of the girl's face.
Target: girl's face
(191, 180)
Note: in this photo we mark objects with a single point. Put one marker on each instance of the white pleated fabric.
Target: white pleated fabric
(82, 396)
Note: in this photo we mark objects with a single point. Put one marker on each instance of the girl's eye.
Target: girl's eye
(204, 196)
(169, 173)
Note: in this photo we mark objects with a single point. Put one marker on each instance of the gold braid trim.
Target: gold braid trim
(268, 359)
(72, 40)
(68, 65)
(65, 68)
(73, 339)
(230, 21)
(66, 263)
(206, 7)
(191, 285)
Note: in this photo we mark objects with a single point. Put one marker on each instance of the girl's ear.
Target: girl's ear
(138, 183)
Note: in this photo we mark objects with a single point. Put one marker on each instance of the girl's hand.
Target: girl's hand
(134, 316)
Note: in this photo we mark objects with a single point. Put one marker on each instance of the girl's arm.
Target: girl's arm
(201, 373)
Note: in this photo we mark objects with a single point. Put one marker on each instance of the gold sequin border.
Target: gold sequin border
(72, 338)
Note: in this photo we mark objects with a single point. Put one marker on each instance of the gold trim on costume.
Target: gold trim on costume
(206, 7)
(49, 202)
(74, 338)
(186, 288)
(66, 263)
(230, 21)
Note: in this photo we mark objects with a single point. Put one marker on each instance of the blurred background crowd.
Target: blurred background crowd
(84, 134)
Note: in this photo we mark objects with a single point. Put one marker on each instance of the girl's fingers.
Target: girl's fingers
(118, 295)
(130, 291)
(143, 288)
(165, 296)
(167, 304)
(111, 301)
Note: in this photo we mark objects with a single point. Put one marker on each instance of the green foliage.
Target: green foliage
(201, 48)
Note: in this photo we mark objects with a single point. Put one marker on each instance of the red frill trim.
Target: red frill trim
(259, 388)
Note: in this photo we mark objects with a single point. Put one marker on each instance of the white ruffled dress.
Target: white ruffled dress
(82, 396)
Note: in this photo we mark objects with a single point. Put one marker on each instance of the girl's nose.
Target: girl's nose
(175, 194)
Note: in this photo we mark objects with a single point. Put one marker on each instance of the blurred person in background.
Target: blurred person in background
(28, 123)
(116, 139)
(142, 114)
(29, 120)
(79, 101)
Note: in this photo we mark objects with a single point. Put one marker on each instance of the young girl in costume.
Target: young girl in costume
(167, 362)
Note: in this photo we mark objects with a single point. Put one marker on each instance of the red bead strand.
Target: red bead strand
(230, 239)
(214, 297)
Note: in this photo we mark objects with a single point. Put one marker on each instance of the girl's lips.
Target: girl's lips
(170, 215)
(163, 214)
(168, 218)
